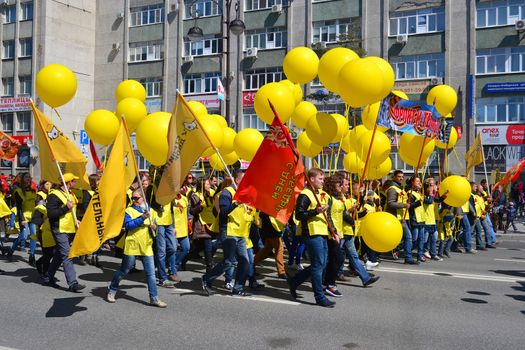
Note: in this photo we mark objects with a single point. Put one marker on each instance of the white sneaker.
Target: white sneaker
(370, 265)
(300, 267)
(158, 303)
(427, 255)
(229, 286)
(110, 297)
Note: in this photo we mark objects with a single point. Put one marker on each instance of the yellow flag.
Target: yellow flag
(474, 155)
(187, 141)
(104, 216)
(55, 146)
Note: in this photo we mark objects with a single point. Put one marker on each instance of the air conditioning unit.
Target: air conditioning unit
(174, 7)
(120, 15)
(520, 25)
(322, 44)
(116, 46)
(251, 52)
(402, 39)
(436, 81)
(278, 8)
(187, 59)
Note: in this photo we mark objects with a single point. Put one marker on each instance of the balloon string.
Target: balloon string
(338, 153)
(105, 157)
(58, 114)
(315, 163)
(439, 164)
(457, 157)
(415, 174)
(366, 166)
(331, 165)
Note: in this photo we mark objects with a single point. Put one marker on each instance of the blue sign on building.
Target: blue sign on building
(504, 87)
(84, 139)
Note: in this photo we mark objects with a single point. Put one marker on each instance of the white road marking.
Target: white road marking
(251, 298)
(453, 275)
(511, 260)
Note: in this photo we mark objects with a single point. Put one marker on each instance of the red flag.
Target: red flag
(275, 177)
(8, 147)
(513, 174)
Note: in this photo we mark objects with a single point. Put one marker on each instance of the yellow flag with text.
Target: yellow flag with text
(54, 147)
(187, 141)
(474, 155)
(104, 216)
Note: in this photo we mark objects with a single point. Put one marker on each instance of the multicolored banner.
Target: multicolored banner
(411, 116)
(8, 147)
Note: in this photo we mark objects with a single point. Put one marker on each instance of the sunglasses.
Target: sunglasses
(136, 198)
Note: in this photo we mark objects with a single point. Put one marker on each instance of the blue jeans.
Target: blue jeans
(21, 239)
(32, 243)
(297, 250)
(467, 233)
(444, 245)
(184, 244)
(128, 261)
(233, 249)
(493, 232)
(419, 237)
(317, 247)
(63, 244)
(407, 241)
(251, 271)
(351, 254)
(477, 230)
(431, 231)
(166, 246)
(489, 231)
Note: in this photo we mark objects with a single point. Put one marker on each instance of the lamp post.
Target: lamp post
(236, 27)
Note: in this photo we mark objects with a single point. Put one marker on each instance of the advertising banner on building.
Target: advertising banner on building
(413, 87)
(247, 98)
(210, 101)
(15, 104)
(501, 157)
(512, 134)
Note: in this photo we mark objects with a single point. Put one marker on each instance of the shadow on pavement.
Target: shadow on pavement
(475, 292)
(517, 273)
(27, 275)
(65, 307)
(516, 297)
(474, 301)
(102, 291)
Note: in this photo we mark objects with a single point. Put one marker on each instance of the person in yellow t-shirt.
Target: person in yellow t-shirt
(180, 218)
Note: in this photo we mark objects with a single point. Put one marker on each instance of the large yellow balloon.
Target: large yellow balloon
(345, 143)
(388, 76)
(197, 108)
(342, 127)
(102, 126)
(133, 110)
(401, 94)
(229, 159)
(302, 113)
(130, 88)
(322, 128)
(353, 164)
(306, 147)
(152, 137)
(296, 90)
(300, 65)
(213, 129)
(369, 116)
(219, 119)
(354, 135)
(380, 171)
(247, 143)
(360, 82)
(458, 188)
(443, 97)
(381, 231)
(410, 147)
(380, 150)
(453, 138)
(228, 138)
(280, 96)
(56, 85)
(330, 65)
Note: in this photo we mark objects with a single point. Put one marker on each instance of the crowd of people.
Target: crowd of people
(204, 218)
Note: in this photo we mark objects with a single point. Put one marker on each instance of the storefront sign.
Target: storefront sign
(412, 87)
(504, 87)
(23, 139)
(247, 98)
(501, 157)
(210, 101)
(502, 134)
(15, 104)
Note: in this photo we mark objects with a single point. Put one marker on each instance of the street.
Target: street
(467, 301)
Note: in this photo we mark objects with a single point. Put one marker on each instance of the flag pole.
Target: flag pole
(484, 165)
(365, 167)
(416, 172)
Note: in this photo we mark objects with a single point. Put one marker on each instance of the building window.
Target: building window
(201, 83)
(501, 110)
(6, 119)
(499, 13)
(8, 84)
(209, 45)
(9, 49)
(146, 51)
(24, 121)
(267, 38)
(10, 14)
(153, 86)
(500, 60)
(254, 79)
(27, 11)
(26, 47)
(329, 31)
(418, 67)
(141, 16)
(201, 8)
(251, 120)
(25, 85)
(263, 4)
(418, 22)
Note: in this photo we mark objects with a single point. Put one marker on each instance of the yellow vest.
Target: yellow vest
(47, 236)
(129, 193)
(42, 195)
(240, 219)
(347, 228)
(478, 202)
(430, 214)
(164, 218)
(336, 212)
(28, 202)
(180, 215)
(138, 241)
(206, 215)
(4, 208)
(277, 225)
(66, 223)
(401, 198)
(419, 212)
(317, 225)
(466, 207)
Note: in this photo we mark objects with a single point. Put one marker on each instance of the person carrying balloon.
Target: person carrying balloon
(430, 202)
(417, 218)
(475, 213)
(445, 227)
(367, 206)
(180, 218)
(44, 234)
(490, 235)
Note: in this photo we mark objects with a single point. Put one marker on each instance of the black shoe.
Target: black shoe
(412, 262)
(491, 246)
(370, 281)
(82, 260)
(256, 285)
(38, 265)
(31, 260)
(293, 290)
(326, 303)
(9, 255)
(76, 288)
(206, 287)
(457, 250)
(50, 282)
(281, 276)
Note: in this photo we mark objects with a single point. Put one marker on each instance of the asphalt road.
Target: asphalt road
(465, 302)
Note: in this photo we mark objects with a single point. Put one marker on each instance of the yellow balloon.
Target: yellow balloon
(133, 110)
(56, 85)
(228, 138)
(354, 135)
(306, 147)
(322, 128)
(102, 126)
(369, 116)
(197, 108)
(300, 65)
(381, 231)
(388, 75)
(410, 147)
(352, 163)
(342, 127)
(330, 65)
(213, 129)
(452, 139)
(380, 150)
(247, 142)
(458, 188)
(219, 119)
(401, 94)
(380, 171)
(296, 90)
(130, 88)
(152, 137)
(229, 159)
(280, 96)
(360, 82)
(302, 113)
(443, 97)
(345, 143)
